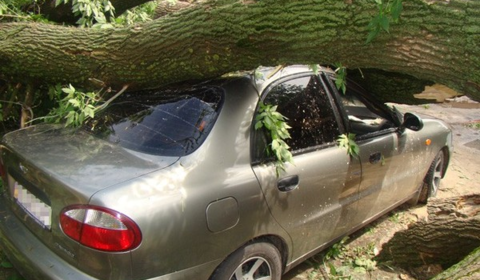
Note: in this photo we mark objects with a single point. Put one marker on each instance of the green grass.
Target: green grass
(474, 125)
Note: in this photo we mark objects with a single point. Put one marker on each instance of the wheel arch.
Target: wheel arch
(274, 240)
(279, 243)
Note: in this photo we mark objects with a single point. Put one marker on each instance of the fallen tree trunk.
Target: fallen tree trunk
(451, 232)
(434, 40)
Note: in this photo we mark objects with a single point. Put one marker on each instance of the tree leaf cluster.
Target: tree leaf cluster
(388, 12)
(15, 10)
(91, 12)
(347, 141)
(74, 108)
(275, 123)
(354, 261)
(341, 77)
(141, 13)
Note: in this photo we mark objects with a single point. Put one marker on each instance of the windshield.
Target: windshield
(166, 122)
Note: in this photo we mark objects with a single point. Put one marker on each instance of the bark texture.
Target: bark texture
(451, 233)
(467, 269)
(165, 7)
(435, 40)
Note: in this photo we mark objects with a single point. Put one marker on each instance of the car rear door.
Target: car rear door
(314, 198)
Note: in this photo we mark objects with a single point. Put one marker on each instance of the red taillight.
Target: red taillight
(100, 228)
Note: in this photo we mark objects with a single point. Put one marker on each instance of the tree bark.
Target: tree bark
(451, 233)
(165, 7)
(435, 40)
(467, 269)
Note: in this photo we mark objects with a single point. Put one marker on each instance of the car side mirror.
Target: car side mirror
(412, 122)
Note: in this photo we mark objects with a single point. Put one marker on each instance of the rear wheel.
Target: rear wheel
(256, 261)
(433, 178)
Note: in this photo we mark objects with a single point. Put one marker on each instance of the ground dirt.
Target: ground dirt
(351, 259)
(353, 256)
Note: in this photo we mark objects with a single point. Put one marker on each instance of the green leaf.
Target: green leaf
(6, 264)
(69, 90)
(287, 155)
(74, 102)
(355, 150)
(347, 142)
(385, 23)
(70, 118)
(100, 19)
(343, 88)
(258, 125)
(107, 6)
(371, 35)
(275, 144)
(375, 22)
(396, 10)
(80, 119)
(333, 270)
(89, 112)
(341, 77)
(58, 2)
(360, 270)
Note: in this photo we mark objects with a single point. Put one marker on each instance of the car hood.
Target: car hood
(79, 159)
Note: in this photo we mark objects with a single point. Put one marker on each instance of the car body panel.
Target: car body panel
(378, 156)
(312, 211)
(80, 160)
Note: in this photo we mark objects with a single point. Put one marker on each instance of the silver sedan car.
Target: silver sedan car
(178, 184)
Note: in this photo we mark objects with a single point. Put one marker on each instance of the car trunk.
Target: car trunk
(48, 168)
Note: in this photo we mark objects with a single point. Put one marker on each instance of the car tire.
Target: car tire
(253, 261)
(431, 183)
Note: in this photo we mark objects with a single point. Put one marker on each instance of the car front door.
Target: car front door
(385, 159)
(314, 198)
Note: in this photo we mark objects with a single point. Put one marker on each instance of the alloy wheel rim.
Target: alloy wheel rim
(256, 268)
(437, 174)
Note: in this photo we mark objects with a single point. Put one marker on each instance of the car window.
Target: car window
(364, 117)
(167, 122)
(307, 106)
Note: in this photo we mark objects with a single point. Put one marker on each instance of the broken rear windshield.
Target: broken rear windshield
(166, 122)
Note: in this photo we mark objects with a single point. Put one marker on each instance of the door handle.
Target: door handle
(288, 183)
(375, 158)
